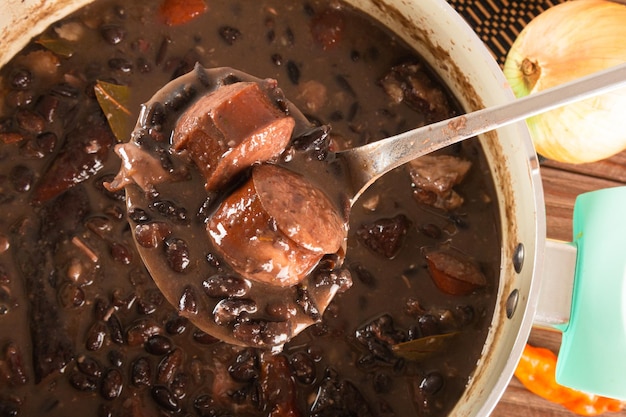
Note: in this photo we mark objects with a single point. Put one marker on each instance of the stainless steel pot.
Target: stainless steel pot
(443, 38)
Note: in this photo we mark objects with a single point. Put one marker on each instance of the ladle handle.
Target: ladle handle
(367, 163)
(592, 357)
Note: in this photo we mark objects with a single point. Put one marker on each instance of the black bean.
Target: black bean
(115, 329)
(315, 141)
(95, 336)
(229, 309)
(47, 106)
(353, 111)
(180, 98)
(89, 366)
(21, 79)
(40, 146)
(431, 230)
(428, 325)
(382, 383)
(246, 366)
(105, 410)
(155, 116)
(205, 406)
(307, 303)
(140, 331)
(121, 64)
(170, 210)
(220, 286)
(229, 34)
(177, 254)
(66, 90)
(10, 408)
(112, 384)
(213, 260)
(146, 307)
(177, 325)
(262, 333)
(158, 345)
(282, 310)
(22, 178)
(162, 51)
(345, 85)
(138, 215)
(270, 35)
(458, 221)
(204, 338)
(101, 308)
(432, 383)
(116, 358)
(303, 368)
(121, 253)
(150, 301)
(113, 34)
(141, 372)
(355, 55)
(277, 59)
(169, 366)
(165, 399)
(151, 235)
(364, 275)
(187, 302)
(83, 382)
(230, 79)
(290, 37)
(71, 296)
(293, 72)
(180, 385)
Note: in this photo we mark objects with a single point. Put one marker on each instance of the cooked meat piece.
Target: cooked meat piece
(384, 236)
(433, 178)
(83, 155)
(454, 272)
(410, 84)
(276, 227)
(230, 129)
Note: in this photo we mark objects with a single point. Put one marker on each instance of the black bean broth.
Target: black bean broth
(83, 327)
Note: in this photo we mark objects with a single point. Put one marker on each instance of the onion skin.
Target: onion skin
(566, 42)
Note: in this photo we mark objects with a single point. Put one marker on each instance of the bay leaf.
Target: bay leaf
(57, 46)
(114, 101)
(422, 348)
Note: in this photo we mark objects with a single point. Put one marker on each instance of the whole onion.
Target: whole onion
(566, 42)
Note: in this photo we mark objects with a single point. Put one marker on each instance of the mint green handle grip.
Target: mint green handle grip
(593, 350)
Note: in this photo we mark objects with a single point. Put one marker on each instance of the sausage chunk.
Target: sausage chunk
(230, 129)
(276, 227)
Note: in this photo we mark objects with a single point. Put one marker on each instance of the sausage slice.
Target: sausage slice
(276, 227)
(230, 129)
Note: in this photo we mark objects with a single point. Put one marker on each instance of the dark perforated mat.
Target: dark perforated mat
(498, 22)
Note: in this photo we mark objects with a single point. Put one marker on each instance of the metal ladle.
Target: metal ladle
(363, 166)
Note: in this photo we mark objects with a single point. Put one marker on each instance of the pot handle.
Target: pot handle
(592, 357)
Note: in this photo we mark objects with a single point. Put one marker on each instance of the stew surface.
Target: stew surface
(83, 327)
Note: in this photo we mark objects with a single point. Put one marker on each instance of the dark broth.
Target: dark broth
(84, 330)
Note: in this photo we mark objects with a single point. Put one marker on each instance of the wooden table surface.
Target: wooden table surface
(562, 183)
